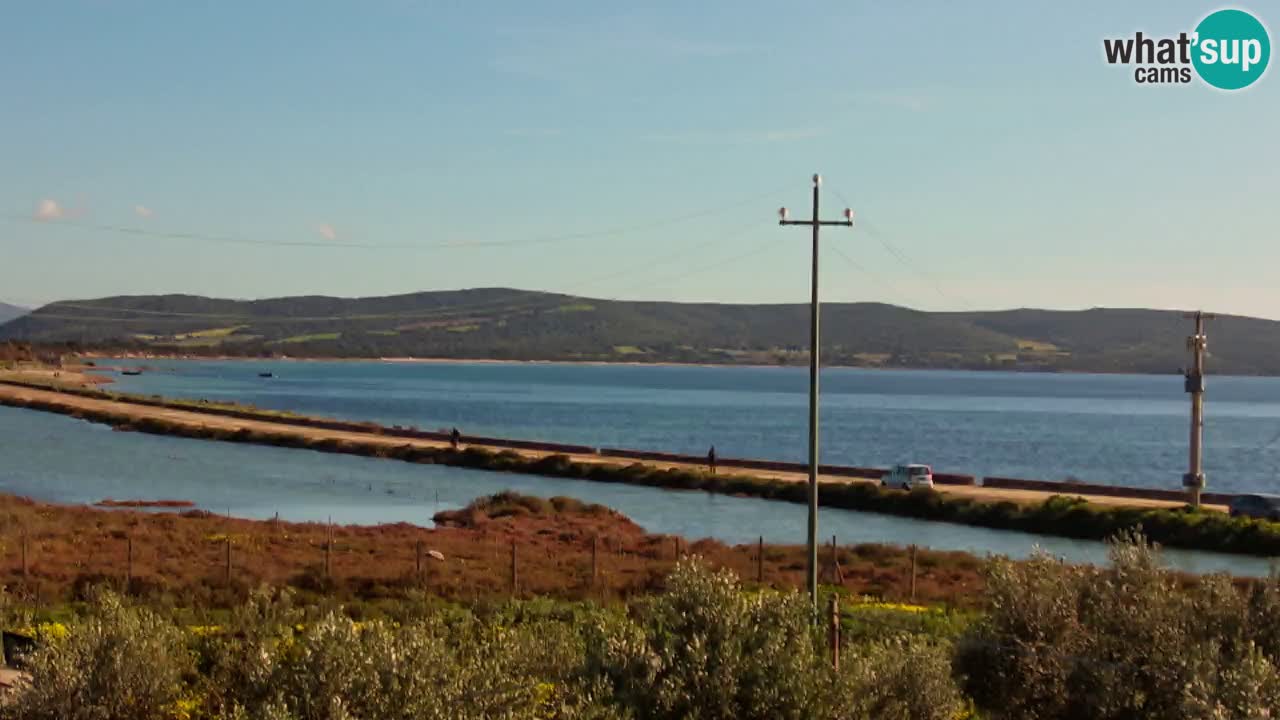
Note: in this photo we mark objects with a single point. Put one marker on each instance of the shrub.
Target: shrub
(424, 670)
(1120, 642)
(900, 679)
(706, 649)
(119, 663)
(439, 666)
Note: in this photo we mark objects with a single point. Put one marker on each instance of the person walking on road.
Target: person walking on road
(711, 459)
(455, 438)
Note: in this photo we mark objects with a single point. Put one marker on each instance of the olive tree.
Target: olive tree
(117, 663)
(900, 678)
(336, 668)
(1127, 641)
(708, 649)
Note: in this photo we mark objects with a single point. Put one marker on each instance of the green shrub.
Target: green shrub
(439, 666)
(118, 663)
(706, 649)
(899, 679)
(1123, 642)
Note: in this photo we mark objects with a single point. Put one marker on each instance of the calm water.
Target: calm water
(61, 459)
(1102, 428)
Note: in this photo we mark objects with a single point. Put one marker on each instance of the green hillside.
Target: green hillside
(517, 324)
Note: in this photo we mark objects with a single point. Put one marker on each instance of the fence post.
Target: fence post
(24, 556)
(128, 572)
(834, 632)
(913, 573)
(760, 559)
(595, 541)
(837, 575)
(417, 560)
(227, 572)
(328, 551)
(515, 573)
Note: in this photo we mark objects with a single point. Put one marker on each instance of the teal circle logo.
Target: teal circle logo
(1232, 49)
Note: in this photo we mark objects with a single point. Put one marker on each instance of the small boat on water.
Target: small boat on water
(130, 372)
(265, 374)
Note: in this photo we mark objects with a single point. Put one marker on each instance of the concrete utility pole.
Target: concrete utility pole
(1193, 481)
(815, 223)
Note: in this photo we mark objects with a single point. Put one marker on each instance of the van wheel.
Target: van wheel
(906, 486)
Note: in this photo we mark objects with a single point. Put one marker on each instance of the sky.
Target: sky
(992, 157)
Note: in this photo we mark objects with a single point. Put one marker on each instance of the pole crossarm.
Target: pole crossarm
(840, 223)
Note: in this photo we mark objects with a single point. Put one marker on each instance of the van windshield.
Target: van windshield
(919, 470)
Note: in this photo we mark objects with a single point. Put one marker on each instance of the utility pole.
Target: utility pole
(815, 222)
(1193, 481)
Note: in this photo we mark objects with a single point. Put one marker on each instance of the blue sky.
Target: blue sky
(994, 158)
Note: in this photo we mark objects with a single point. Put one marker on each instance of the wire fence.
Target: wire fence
(218, 559)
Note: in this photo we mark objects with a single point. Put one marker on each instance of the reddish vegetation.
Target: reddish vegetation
(183, 556)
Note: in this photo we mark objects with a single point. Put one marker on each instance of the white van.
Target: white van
(909, 477)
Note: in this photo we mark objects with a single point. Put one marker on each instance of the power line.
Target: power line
(433, 313)
(753, 251)
(870, 276)
(1270, 442)
(901, 257)
(510, 305)
(339, 245)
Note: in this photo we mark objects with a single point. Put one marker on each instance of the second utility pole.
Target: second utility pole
(815, 222)
(1193, 481)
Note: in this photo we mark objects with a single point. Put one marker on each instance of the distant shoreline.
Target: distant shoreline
(456, 361)
(621, 363)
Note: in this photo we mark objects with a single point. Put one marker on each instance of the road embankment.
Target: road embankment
(1052, 513)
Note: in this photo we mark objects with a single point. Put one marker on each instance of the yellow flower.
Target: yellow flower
(893, 607)
(183, 708)
(46, 631)
(544, 695)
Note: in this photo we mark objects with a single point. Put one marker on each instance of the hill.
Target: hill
(9, 312)
(525, 325)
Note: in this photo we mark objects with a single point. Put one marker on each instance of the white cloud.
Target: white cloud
(601, 49)
(143, 211)
(914, 101)
(49, 209)
(738, 137)
(327, 231)
(532, 132)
